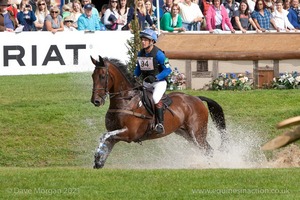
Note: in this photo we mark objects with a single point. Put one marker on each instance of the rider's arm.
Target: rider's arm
(166, 70)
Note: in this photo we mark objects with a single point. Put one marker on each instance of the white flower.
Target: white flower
(221, 83)
(291, 79)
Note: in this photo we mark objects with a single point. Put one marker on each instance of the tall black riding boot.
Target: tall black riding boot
(159, 128)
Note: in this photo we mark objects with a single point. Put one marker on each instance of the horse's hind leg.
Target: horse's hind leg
(199, 138)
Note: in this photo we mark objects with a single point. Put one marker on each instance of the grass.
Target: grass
(49, 131)
(74, 183)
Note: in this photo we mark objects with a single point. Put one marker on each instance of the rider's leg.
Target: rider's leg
(159, 128)
(159, 90)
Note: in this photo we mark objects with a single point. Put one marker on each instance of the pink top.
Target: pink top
(211, 21)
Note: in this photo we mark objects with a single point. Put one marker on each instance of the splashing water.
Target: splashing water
(174, 152)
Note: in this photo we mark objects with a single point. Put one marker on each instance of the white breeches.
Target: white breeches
(158, 88)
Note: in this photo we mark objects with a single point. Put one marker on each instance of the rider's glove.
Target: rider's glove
(151, 79)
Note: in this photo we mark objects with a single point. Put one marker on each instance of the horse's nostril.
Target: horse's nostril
(97, 103)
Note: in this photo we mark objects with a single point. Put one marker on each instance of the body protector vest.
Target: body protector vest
(149, 65)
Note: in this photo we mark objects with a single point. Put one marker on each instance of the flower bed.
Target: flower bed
(231, 81)
(287, 81)
(176, 80)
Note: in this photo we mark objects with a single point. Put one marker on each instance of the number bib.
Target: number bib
(146, 63)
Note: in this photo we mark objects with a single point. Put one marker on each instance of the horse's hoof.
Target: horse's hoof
(98, 166)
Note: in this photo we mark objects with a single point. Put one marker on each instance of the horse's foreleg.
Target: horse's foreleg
(107, 142)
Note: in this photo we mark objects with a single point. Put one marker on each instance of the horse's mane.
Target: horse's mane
(124, 70)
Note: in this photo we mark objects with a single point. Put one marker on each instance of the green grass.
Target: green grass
(74, 183)
(49, 130)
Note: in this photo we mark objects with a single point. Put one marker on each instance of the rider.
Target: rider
(153, 66)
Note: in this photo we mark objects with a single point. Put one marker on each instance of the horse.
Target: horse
(128, 120)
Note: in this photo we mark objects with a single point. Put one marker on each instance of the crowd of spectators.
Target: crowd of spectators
(169, 15)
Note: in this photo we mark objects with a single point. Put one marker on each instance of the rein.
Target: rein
(113, 95)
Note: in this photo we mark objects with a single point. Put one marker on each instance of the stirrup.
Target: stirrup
(159, 128)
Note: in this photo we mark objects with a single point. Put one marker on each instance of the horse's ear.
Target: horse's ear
(94, 61)
(101, 61)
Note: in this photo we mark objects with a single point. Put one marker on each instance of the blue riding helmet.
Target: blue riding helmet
(150, 34)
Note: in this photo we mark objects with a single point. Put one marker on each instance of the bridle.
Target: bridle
(105, 88)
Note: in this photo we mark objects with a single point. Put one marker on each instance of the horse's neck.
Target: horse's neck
(120, 82)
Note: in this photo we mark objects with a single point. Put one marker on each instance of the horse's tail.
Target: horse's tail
(217, 115)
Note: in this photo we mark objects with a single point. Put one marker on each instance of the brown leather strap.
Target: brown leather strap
(130, 113)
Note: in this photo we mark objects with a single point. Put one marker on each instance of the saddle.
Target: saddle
(147, 101)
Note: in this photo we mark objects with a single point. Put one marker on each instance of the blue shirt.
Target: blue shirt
(263, 21)
(7, 21)
(141, 18)
(160, 57)
(293, 18)
(88, 23)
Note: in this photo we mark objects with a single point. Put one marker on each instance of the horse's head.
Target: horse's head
(100, 82)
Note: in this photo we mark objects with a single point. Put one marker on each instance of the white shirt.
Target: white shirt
(281, 19)
(189, 13)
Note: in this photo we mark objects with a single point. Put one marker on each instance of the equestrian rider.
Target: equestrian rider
(153, 67)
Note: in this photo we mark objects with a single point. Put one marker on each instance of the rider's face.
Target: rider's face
(145, 42)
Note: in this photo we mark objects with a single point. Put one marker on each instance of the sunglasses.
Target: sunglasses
(69, 21)
(54, 12)
(114, 2)
(42, 4)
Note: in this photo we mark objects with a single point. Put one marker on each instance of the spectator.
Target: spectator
(191, 14)
(13, 8)
(242, 18)
(205, 5)
(140, 13)
(111, 16)
(151, 13)
(76, 12)
(54, 21)
(7, 19)
(88, 21)
(294, 14)
(167, 7)
(66, 11)
(41, 13)
(280, 17)
(103, 9)
(262, 17)
(68, 21)
(26, 16)
(269, 5)
(231, 6)
(50, 3)
(94, 10)
(123, 11)
(217, 18)
(33, 4)
(172, 21)
(251, 4)
(286, 5)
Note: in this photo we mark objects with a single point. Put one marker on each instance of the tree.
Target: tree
(134, 43)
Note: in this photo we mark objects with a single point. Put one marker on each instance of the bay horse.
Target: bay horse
(128, 120)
